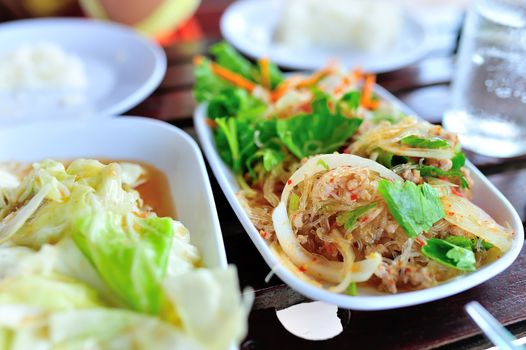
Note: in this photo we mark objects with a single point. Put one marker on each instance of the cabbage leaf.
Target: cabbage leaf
(131, 260)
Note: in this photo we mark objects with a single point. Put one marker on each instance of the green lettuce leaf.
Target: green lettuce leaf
(235, 102)
(350, 101)
(475, 244)
(415, 208)
(458, 160)
(207, 84)
(229, 58)
(234, 139)
(132, 263)
(241, 144)
(449, 254)
(419, 142)
(460, 241)
(318, 132)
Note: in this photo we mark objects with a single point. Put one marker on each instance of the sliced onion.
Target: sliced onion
(466, 215)
(316, 265)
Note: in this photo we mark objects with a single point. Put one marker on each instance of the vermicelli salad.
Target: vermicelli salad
(397, 219)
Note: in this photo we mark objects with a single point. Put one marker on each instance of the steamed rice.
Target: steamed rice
(366, 25)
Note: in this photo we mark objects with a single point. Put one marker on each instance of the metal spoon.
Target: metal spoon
(495, 332)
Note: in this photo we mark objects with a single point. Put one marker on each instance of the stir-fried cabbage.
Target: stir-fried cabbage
(85, 264)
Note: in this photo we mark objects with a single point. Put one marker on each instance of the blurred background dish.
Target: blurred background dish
(111, 69)
(377, 36)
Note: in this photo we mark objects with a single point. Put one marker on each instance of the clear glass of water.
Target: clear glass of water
(488, 106)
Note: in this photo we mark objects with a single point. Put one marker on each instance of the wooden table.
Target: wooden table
(424, 87)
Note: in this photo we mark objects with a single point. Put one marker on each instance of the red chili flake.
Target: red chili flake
(289, 182)
(419, 241)
(302, 268)
(450, 213)
(364, 219)
(346, 151)
(354, 197)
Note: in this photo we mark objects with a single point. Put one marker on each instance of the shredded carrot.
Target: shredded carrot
(211, 123)
(367, 92)
(228, 75)
(265, 72)
(315, 77)
(280, 90)
(232, 77)
(372, 104)
(357, 73)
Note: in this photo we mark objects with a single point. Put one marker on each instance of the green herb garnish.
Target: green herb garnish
(349, 218)
(415, 207)
(449, 254)
(420, 142)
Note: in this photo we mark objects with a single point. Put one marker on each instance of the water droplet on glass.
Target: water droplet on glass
(478, 59)
(503, 92)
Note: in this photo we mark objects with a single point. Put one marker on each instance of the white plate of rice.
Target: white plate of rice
(59, 68)
(377, 36)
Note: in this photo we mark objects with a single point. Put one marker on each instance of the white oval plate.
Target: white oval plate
(485, 195)
(249, 26)
(122, 67)
(166, 147)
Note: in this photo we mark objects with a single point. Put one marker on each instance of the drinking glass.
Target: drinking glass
(488, 105)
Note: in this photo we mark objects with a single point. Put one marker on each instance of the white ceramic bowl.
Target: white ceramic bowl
(484, 194)
(166, 147)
